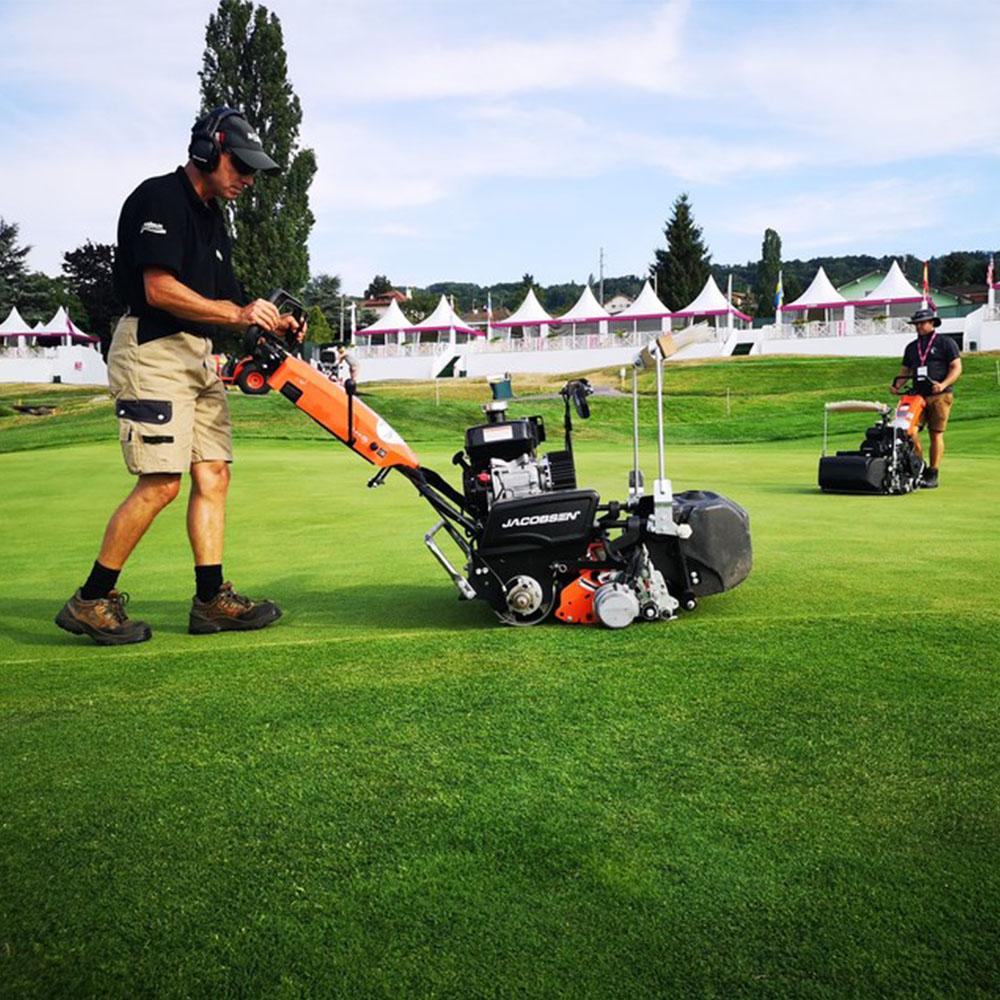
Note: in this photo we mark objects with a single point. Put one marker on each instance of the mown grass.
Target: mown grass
(791, 792)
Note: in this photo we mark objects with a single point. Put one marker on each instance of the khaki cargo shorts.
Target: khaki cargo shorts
(171, 404)
(935, 415)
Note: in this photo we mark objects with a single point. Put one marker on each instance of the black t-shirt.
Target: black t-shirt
(939, 356)
(164, 223)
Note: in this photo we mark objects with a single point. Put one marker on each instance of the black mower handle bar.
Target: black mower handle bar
(281, 300)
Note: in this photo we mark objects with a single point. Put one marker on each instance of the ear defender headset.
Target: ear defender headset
(205, 148)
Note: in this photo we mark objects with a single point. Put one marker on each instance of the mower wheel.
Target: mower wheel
(252, 381)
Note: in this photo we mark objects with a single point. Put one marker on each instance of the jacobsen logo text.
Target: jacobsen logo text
(524, 522)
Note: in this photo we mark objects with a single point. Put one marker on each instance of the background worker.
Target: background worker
(934, 363)
(173, 267)
(348, 366)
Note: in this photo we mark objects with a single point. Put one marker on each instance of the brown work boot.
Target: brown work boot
(230, 612)
(103, 619)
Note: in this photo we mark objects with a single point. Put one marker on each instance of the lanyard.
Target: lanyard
(924, 355)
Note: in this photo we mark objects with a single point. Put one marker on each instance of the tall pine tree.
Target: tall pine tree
(13, 269)
(683, 268)
(767, 273)
(245, 67)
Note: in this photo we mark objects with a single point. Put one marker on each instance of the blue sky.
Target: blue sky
(476, 141)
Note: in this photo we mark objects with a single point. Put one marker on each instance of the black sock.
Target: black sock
(100, 583)
(208, 581)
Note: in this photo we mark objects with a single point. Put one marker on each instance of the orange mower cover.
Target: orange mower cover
(344, 416)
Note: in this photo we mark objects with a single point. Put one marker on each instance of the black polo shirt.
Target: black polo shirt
(939, 355)
(164, 223)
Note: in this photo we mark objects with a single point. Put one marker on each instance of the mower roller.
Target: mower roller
(888, 459)
(534, 545)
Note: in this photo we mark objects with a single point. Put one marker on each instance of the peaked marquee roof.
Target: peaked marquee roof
(711, 302)
(646, 306)
(15, 323)
(819, 295)
(528, 313)
(444, 317)
(892, 288)
(586, 310)
(391, 322)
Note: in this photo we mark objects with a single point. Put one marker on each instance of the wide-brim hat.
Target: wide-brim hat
(239, 137)
(924, 316)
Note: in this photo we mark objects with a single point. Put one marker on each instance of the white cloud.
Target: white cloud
(849, 215)
(404, 61)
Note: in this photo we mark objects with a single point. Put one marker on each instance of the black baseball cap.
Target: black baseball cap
(239, 137)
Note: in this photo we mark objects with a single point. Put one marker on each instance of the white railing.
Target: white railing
(29, 352)
(991, 314)
(837, 328)
(580, 342)
(401, 350)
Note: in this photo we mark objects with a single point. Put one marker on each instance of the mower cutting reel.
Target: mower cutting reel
(532, 543)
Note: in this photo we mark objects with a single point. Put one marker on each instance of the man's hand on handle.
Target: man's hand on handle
(261, 313)
(293, 331)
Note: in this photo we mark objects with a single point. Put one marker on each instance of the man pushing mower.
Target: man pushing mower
(934, 364)
(173, 267)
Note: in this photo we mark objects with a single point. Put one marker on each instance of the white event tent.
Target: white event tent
(646, 309)
(391, 322)
(711, 303)
(60, 328)
(15, 325)
(821, 309)
(444, 319)
(528, 314)
(587, 312)
(892, 290)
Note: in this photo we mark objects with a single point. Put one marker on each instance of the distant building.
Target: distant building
(973, 294)
(379, 304)
(617, 303)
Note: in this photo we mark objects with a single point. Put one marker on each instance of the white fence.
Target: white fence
(837, 328)
(403, 350)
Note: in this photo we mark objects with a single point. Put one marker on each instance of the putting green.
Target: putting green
(790, 792)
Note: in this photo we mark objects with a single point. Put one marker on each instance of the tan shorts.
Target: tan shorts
(171, 404)
(935, 416)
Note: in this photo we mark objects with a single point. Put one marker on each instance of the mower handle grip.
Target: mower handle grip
(280, 299)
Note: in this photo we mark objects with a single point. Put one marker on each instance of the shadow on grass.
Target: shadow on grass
(32, 622)
(370, 609)
(393, 606)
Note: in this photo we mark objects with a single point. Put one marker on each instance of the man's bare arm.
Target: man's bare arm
(954, 371)
(904, 372)
(164, 291)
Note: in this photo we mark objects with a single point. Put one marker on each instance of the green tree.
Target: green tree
(89, 273)
(12, 265)
(320, 331)
(245, 66)
(323, 290)
(683, 268)
(767, 273)
(39, 296)
(421, 304)
(379, 285)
